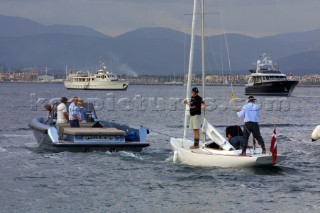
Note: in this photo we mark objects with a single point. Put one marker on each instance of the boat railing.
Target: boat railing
(83, 74)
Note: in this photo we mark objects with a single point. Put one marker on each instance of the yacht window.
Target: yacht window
(257, 79)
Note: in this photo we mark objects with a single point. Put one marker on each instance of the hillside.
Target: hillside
(160, 51)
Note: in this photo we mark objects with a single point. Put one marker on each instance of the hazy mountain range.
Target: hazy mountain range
(159, 51)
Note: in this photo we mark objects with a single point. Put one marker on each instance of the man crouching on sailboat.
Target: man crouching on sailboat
(250, 112)
(196, 104)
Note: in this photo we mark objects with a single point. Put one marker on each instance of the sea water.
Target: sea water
(34, 180)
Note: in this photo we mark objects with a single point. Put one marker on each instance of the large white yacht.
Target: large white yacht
(102, 80)
(268, 80)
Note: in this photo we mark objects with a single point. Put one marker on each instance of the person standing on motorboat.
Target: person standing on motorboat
(251, 112)
(196, 104)
(82, 110)
(74, 117)
(62, 116)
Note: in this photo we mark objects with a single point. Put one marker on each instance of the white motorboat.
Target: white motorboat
(102, 80)
(94, 135)
(217, 151)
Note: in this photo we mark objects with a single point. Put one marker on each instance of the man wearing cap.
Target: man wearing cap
(250, 113)
(195, 104)
(62, 116)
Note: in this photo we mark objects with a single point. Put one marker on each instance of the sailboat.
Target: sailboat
(223, 154)
(174, 82)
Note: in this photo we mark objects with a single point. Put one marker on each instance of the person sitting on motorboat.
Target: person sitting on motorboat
(82, 111)
(49, 108)
(74, 118)
(235, 136)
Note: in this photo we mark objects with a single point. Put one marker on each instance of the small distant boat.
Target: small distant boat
(102, 80)
(173, 82)
(267, 80)
(93, 135)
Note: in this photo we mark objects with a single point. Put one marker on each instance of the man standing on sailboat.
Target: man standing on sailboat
(196, 104)
(250, 112)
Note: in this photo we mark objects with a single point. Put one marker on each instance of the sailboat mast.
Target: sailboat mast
(202, 60)
(202, 49)
(186, 113)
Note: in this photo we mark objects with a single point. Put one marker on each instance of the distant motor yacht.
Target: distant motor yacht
(267, 80)
(102, 80)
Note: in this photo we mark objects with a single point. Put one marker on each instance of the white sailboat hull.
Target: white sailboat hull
(207, 157)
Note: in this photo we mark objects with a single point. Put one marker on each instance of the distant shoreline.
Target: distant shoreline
(145, 84)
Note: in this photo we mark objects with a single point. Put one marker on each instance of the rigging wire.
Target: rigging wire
(228, 55)
(184, 48)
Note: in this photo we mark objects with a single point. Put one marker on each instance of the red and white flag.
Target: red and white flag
(273, 146)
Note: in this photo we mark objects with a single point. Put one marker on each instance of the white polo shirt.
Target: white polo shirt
(60, 110)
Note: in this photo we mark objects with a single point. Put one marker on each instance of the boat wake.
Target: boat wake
(129, 155)
(169, 159)
(16, 136)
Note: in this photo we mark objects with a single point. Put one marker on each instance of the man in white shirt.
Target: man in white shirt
(62, 116)
(250, 112)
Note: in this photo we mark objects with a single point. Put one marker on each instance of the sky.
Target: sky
(114, 17)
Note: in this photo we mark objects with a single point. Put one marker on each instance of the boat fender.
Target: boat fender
(175, 157)
(316, 133)
(53, 134)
